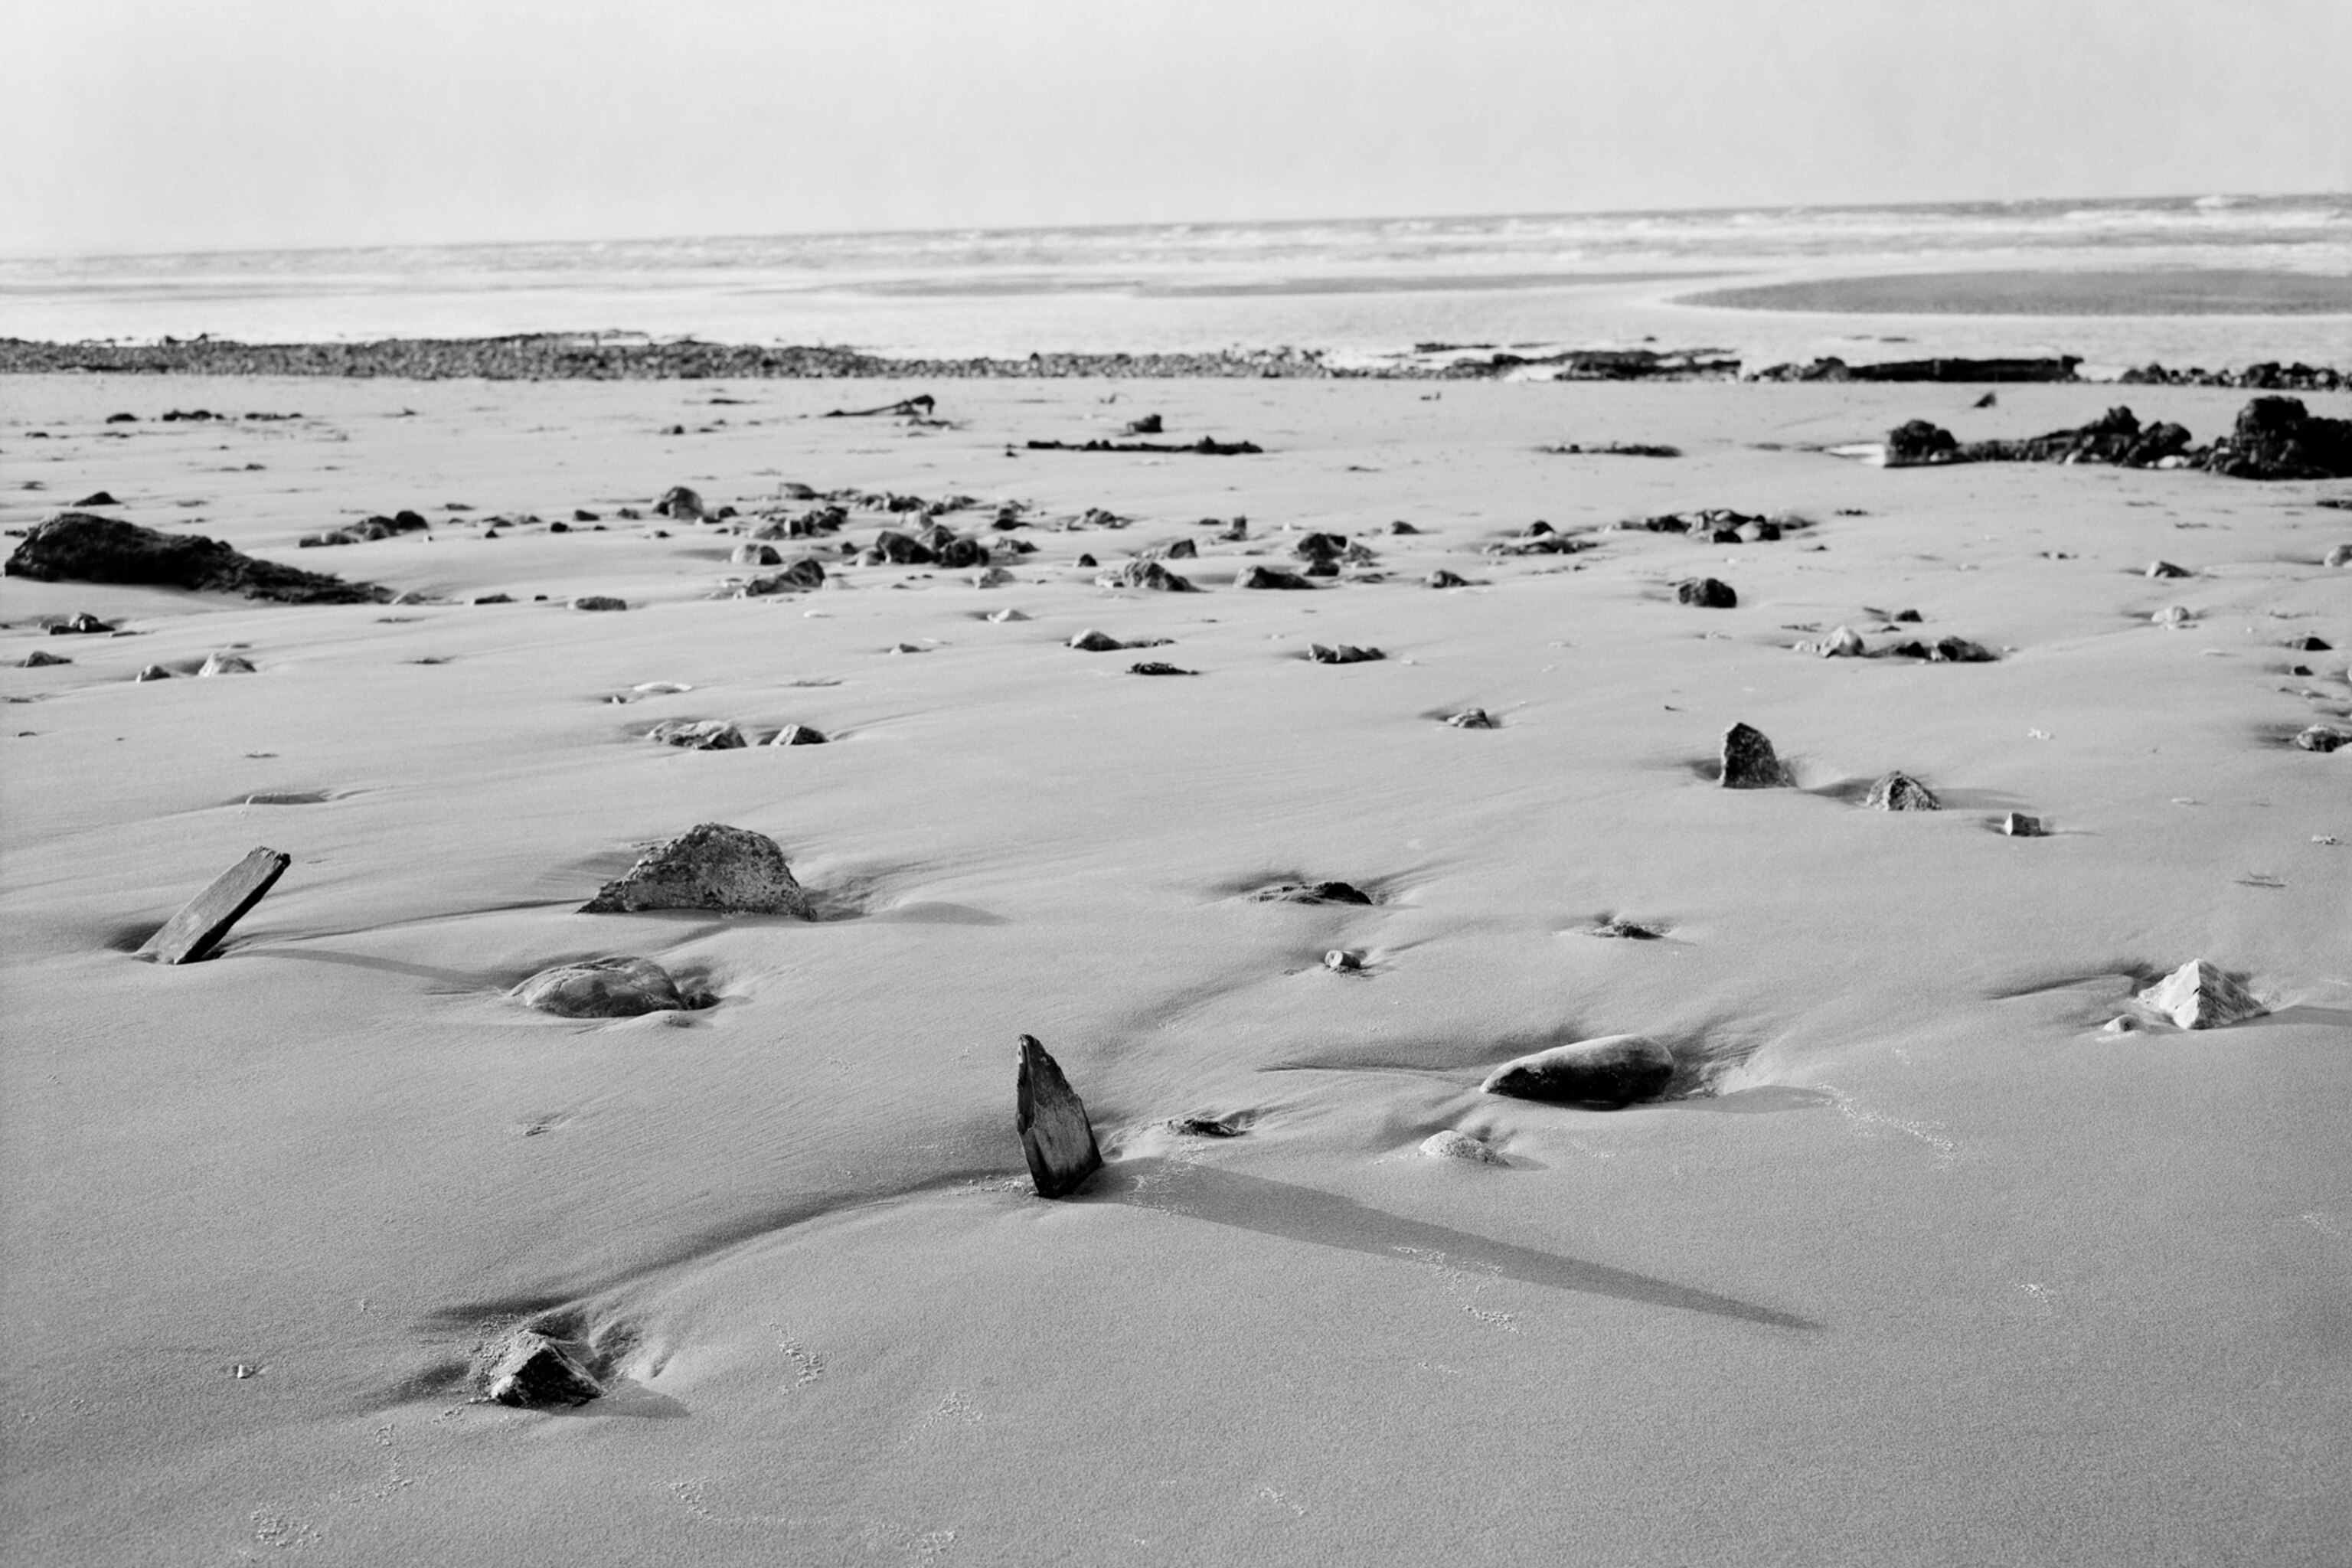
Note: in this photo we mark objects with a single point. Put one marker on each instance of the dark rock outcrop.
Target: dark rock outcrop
(2278, 438)
(76, 546)
(1342, 653)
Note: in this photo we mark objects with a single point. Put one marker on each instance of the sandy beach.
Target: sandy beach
(1923, 1263)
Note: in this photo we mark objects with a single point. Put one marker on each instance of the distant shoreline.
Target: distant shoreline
(2051, 292)
(631, 357)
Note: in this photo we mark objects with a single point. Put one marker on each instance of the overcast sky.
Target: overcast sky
(135, 125)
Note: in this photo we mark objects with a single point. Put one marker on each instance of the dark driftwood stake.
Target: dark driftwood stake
(198, 928)
(1052, 1119)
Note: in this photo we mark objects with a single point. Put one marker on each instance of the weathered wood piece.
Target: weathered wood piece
(1051, 1120)
(199, 925)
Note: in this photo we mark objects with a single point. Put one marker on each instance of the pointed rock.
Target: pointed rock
(227, 664)
(199, 926)
(2197, 995)
(1898, 791)
(1051, 1120)
(1613, 1070)
(710, 866)
(1272, 577)
(1748, 761)
(1845, 643)
(624, 987)
(798, 735)
(2165, 569)
(532, 1371)
(1454, 1144)
(1092, 641)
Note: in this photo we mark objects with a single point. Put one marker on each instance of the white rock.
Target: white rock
(2199, 997)
(1454, 1144)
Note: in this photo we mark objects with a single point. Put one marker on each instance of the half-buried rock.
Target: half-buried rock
(624, 987)
(1455, 1144)
(532, 1371)
(78, 546)
(710, 866)
(1614, 1070)
(697, 734)
(199, 927)
(1748, 761)
(2199, 997)
(1898, 791)
(1707, 592)
(1055, 1135)
(798, 735)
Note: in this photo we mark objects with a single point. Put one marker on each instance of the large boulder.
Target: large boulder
(624, 987)
(1613, 1070)
(79, 546)
(710, 866)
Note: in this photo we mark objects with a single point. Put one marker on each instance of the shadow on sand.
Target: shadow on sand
(1303, 1214)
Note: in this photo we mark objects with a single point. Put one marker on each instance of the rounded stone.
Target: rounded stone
(1612, 1070)
(624, 987)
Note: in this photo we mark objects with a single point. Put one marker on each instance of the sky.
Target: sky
(170, 125)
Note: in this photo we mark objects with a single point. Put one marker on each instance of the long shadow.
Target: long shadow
(1326, 1219)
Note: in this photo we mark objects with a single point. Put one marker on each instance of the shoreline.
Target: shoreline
(590, 356)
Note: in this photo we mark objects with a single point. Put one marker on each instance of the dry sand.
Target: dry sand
(1939, 1273)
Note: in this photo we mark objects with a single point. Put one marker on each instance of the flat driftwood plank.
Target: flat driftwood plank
(199, 926)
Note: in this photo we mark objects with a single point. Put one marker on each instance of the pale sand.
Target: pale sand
(1942, 1276)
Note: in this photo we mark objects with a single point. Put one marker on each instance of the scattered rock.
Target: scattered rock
(625, 987)
(994, 577)
(1232, 1126)
(2120, 1026)
(599, 602)
(2197, 995)
(1000, 616)
(1473, 718)
(1312, 893)
(2017, 824)
(1441, 578)
(1845, 643)
(1959, 650)
(226, 664)
(1149, 425)
(1262, 576)
(1155, 667)
(2172, 617)
(98, 498)
(1341, 961)
(1707, 592)
(1086, 559)
(679, 503)
(1320, 547)
(200, 923)
(800, 577)
(710, 866)
(2323, 737)
(798, 735)
(1342, 653)
(81, 623)
(1454, 1144)
(153, 672)
(1749, 761)
(1091, 641)
(1613, 1070)
(533, 1370)
(1899, 790)
(752, 553)
(697, 734)
(1051, 1119)
(2338, 556)
(1142, 574)
(1625, 930)
(2165, 569)
(40, 656)
(368, 531)
(2308, 644)
(1400, 526)
(81, 547)
(494, 598)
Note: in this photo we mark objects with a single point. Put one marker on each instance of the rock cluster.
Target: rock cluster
(2273, 438)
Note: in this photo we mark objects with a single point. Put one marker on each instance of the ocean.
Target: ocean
(2211, 280)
